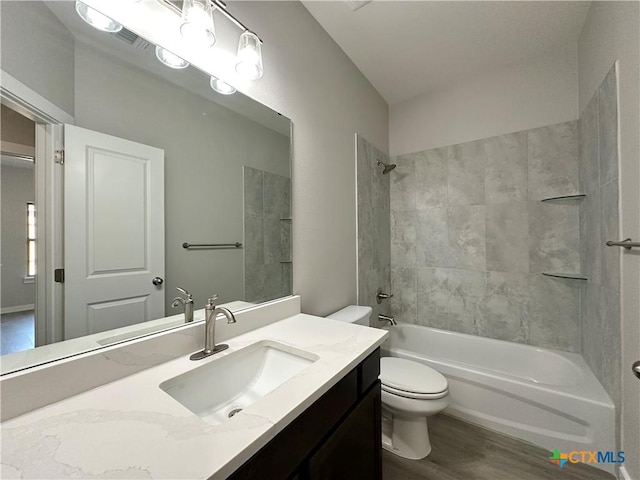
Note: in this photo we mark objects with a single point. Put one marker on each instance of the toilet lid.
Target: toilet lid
(413, 377)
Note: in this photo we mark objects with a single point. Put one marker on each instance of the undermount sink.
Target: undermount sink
(219, 389)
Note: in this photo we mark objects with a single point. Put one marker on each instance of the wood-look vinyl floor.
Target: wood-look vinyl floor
(17, 332)
(461, 451)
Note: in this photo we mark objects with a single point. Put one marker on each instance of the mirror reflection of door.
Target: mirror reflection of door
(114, 232)
(18, 233)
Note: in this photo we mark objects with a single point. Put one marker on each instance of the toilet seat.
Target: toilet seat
(414, 395)
(411, 379)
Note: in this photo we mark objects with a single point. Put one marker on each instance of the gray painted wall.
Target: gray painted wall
(38, 50)
(470, 237)
(206, 147)
(374, 231)
(17, 189)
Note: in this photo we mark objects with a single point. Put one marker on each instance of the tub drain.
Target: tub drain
(234, 411)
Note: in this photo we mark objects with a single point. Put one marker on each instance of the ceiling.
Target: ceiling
(409, 48)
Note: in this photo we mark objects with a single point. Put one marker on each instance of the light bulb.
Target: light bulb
(170, 60)
(97, 19)
(221, 87)
(249, 58)
(197, 22)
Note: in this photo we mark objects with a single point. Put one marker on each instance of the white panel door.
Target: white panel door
(113, 234)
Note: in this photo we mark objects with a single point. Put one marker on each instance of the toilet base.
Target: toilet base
(407, 438)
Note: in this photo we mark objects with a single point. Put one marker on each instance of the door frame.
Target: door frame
(49, 119)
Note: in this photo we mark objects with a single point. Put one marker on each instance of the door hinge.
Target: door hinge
(58, 275)
(59, 157)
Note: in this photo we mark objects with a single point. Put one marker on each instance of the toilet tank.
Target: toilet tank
(353, 314)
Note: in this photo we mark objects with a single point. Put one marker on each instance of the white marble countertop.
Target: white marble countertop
(131, 429)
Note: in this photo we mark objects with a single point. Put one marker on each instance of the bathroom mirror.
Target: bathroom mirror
(164, 182)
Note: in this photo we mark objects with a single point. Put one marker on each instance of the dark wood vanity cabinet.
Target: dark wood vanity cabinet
(336, 438)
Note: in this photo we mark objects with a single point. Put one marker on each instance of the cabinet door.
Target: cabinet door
(354, 449)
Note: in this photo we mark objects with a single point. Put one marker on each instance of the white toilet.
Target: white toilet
(411, 392)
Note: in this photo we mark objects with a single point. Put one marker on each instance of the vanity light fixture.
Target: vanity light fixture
(249, 58)
(197, 23)
(170, 60)
(97, 19)
(221, 87)
(197, 27)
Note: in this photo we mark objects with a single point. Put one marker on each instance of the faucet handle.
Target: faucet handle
(185, 293)
(211, 300)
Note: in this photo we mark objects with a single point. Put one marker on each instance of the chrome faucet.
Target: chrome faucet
(210, 314)
(387, 318)
(187, 303)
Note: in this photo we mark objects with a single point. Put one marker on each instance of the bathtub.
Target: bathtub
(545, 397)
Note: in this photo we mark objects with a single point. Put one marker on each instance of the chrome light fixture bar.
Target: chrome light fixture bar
(217, 5)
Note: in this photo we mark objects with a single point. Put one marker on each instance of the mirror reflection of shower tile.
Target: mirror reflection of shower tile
(273, 252)
(253, 191)
(277, 195)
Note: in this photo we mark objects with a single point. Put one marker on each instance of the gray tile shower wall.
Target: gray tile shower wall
(267, 235)
(374, 242)
(599, 222)
(470, 237)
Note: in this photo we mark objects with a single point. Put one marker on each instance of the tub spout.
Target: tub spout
(387, 318)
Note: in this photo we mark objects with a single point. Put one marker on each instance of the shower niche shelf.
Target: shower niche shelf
(571, 276)
(575, 196)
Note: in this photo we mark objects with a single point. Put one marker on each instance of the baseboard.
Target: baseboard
(16, 309)
(623, 474)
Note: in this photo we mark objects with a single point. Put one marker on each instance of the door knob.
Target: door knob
(636, 368)
(157, 281)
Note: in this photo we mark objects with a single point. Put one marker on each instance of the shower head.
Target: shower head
(387, 167)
